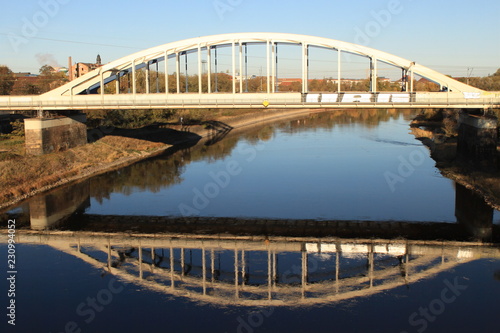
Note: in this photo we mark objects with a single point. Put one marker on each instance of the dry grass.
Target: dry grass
(420, 133)
(200, 115)
(431, 115)
(23, 174)
(11, 144)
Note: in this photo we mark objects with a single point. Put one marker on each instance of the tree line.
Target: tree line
(49, 79)
(489, 83)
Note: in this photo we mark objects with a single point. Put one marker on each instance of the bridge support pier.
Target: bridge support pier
(49, 211)
(477, 139)
(49, 135)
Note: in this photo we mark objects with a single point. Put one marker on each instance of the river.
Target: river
(331, 222)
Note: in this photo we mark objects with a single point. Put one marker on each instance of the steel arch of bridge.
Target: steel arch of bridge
(91, 82)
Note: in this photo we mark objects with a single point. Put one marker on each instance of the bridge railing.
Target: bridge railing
(281, 100)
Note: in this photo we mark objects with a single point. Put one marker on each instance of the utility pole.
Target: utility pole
(204, 63)
(469, 73)
(260, 74)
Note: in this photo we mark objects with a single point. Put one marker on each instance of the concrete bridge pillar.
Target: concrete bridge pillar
(477, 139)
(49, 135)
(50, 210)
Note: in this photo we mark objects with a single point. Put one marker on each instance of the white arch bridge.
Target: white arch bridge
(147, 89)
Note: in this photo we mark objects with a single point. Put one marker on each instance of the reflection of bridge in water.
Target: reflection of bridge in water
(260, 262)
(260, 270)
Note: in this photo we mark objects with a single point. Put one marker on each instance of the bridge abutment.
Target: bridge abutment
(49, 135)
(477, 139)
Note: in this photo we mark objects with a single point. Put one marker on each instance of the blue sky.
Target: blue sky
(449, 36)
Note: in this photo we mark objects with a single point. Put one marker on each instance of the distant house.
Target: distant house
(82, 68)
(22, 74)
(288, 82)
(60, 70)
(25, 84)
(351, 81)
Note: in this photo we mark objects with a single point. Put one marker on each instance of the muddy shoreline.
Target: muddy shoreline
(442, 144)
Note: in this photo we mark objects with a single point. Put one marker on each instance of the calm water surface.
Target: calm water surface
(356, 173)
(309, 168)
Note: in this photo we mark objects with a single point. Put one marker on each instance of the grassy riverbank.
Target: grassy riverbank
(23, 176)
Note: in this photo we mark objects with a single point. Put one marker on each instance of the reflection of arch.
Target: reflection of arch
(238, 42)
(316, 273)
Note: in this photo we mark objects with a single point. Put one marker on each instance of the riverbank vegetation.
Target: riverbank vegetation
(139, 118)
(49, 79)
(438, 130)
(488, 83)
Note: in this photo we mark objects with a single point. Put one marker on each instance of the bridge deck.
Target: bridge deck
(383, 100)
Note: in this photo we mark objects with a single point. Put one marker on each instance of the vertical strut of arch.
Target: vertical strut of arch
(405, 74)
(373, 74)
(305, 68)
(177, 72)
(216, 70)
(117, 83)
(147, 78)
(273, 67)
(200, 74)
(101, 77)
(241, 66)
(157, 76)
(268, 66)
(165, 55)
(186, 83)
(339, 70)
(134, 83)
(412, 78)
(276, 74)
(233, 57)
(209, 69)
(246, 67)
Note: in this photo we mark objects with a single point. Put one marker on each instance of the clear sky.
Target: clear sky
(447, 35)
